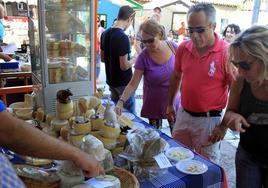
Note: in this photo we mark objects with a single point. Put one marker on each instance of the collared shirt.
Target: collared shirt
(205, 81)
(8, 176)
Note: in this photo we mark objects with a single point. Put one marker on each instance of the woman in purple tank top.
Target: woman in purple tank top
(155, 63)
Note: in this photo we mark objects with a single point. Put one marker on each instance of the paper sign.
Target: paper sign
(9, 49)
(162, 161)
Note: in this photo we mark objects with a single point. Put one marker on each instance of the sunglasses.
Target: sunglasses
(149, 41)
(199, 30)
(243, 65)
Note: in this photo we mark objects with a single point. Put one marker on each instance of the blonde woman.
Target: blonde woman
(155, 63)
(247, 109)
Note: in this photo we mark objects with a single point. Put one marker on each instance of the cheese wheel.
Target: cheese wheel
(24, 114)
(64, 132)
(48, 131)
(64, 115)
(62, 108)
(82, 128)
(57, 124)
(83, 105)
(96, 123)
(109, 143)
(49, 118)
(95, 133)
(109, 132)
(74, 139)
(40, 115)
(122, 140)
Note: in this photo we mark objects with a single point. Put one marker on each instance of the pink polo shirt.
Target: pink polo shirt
(204, 78)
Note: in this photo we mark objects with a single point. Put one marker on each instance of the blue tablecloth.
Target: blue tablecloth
(173, 178)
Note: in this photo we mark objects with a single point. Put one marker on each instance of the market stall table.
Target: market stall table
(213, 177)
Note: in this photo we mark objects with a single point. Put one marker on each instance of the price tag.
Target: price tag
(162, 161)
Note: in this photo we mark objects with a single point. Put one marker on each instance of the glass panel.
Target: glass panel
(68, 40)
(34, 43)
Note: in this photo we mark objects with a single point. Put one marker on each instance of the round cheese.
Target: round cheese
(61, 107)
(109, 132)
(109, 143)
(57, 124)
(74, 139)
(96, 123)
(82, 125)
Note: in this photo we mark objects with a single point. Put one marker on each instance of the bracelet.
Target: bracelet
(121, 100)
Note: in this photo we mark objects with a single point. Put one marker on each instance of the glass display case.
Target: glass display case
(62, 46)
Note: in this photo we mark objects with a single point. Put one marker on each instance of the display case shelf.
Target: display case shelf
(65, 54)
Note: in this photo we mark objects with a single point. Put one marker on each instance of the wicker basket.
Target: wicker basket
(37, 180)
(127, 179)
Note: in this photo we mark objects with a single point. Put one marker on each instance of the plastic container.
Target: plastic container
(9, 66)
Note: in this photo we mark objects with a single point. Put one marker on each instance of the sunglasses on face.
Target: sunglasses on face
(242, 65)
(199, 30)
(149, 41)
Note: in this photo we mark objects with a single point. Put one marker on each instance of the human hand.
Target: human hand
(5, 57)
(118, 108)
(90, 166)
(137, 46)
(217, 134)
(235, 120)
(170, 113)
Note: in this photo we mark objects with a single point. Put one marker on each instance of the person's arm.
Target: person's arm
(125, 64)
(102, 56)
(175, 81)
(232, 119)
(27, 140)
(131, 87)
(5, 57)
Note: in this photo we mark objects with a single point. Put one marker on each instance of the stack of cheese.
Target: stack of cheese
(110, 129)
(64, 105)
(81, 127)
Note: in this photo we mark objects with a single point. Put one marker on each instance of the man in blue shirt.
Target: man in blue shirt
(24, 139)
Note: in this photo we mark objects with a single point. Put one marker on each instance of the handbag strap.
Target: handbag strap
(171, 47)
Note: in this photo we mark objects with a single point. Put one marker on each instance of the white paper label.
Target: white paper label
(162, 161)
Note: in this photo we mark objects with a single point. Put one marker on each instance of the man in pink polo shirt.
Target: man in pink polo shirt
(200, 71)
